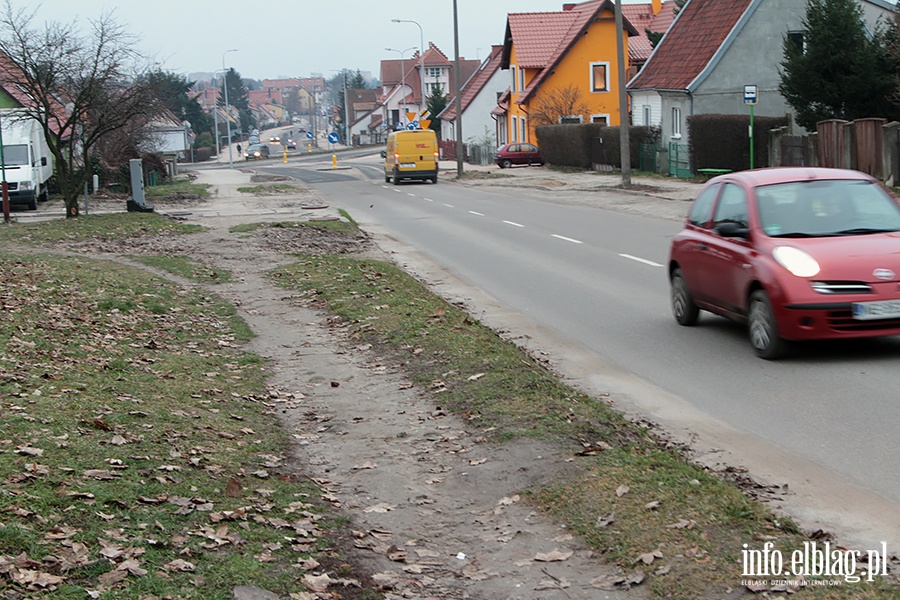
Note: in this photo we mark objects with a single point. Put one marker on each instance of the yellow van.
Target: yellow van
(411, 154)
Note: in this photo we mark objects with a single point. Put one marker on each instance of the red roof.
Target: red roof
(690, 44)
(476, 83)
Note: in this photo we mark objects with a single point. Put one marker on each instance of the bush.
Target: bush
(721, 141)
(574, 145)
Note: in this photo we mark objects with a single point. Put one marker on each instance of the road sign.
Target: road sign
(309, 135)
(412, 126)
(333, 137)
(750, 94)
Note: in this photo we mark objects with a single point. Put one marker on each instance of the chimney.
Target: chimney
(568, 6)
(657, 6)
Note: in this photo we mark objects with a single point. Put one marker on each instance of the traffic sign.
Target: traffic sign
(412, 126)
(333, 138)
(750, 94)
(309, 135)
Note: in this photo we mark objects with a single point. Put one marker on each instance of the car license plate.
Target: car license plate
(408, 165)
(883, 309)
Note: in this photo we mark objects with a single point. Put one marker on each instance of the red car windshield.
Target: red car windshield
(825, 208)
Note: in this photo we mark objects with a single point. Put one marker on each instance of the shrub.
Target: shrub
(575, 146)
(721, 141)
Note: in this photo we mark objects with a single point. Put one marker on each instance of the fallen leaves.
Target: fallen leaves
(554, 555)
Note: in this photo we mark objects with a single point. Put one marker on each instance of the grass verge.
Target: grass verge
(271, 189)
(178, 189)
(140, 453)
(638, 501)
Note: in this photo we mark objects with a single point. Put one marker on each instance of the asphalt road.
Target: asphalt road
(825, 420)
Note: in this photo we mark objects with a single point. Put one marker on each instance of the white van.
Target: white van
(27, 162)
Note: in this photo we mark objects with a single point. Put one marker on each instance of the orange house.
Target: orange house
(562, 68)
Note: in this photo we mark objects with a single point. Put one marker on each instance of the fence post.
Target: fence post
(775, 136)
(890, 140)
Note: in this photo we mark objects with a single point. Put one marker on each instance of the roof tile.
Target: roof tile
(697, 33)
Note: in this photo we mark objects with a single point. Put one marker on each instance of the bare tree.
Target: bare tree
(80, 88)
(551, 107)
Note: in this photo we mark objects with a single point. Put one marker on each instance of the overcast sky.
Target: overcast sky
(284, 38)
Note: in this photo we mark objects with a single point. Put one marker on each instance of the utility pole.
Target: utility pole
(624, 140)
(458, 86)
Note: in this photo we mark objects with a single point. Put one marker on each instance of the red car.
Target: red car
(795, 253)
(518, 154)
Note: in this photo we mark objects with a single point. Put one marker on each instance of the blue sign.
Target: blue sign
(412, 126)
(399, 127)
(309, 135)
(750, 94)
(333, 138)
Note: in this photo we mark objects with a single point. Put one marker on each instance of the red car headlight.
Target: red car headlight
(796, 261)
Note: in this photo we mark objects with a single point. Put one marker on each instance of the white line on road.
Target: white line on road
(562, 237)
(641, 260)
(514, 224)
(448, 205)
(429, 200)
(476, 213)
(408, 194)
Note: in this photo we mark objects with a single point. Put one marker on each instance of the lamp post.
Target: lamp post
(216, 113)
(421, 54)
(227, 117)
(402, 75)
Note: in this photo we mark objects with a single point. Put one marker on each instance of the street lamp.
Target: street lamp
(402, 75)
(227, 117)
(421, 54)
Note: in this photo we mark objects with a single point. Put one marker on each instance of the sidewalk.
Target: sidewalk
(668, 188)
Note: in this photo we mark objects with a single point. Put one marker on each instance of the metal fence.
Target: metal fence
(679, 160)
(480, 155)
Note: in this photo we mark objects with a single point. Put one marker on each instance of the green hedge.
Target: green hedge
(573, 145)
(722, 141)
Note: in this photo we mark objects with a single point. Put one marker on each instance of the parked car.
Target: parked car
(518, 154)
(256, 151)
(795, 253)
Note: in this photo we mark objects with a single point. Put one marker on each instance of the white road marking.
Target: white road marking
(514, 224)
(564, 238)
(429, 200)
(408, 194)
(641, 260)
(476, 213)
(448, 205)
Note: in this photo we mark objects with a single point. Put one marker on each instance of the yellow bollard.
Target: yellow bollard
(334, 161)
(285, 156)
(309, 147)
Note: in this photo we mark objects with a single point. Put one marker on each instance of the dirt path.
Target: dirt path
(434, 507)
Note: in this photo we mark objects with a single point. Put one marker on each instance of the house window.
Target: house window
(796, 38)
(522, 79)
(571, 119)
(515, 129)
(524, 137)
(676, 122)
(601, 119)
(600, 77)
(515, 77)
(645, 110)
(433, 72)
